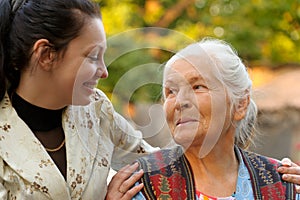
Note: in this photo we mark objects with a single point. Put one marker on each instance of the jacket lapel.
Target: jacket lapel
(23, 152)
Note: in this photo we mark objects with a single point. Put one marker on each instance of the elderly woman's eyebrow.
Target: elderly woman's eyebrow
(168, 82)
(194, 77)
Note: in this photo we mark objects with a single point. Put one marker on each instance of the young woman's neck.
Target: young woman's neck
(40, 93)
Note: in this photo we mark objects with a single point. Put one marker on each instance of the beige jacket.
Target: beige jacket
(97, 138)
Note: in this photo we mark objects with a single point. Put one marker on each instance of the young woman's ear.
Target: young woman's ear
(241, 109)
(44, 54)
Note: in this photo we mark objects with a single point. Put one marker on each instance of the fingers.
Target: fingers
(126, 178)
(291, 172)
(121, 185)
(288, 167)
(132, 192)
(286, 162)
(128, 183)
(298, 189)
(291, 178)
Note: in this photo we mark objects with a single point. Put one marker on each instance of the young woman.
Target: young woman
(58, 134)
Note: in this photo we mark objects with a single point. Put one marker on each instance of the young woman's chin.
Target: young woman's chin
(81, 102)
(82, 97)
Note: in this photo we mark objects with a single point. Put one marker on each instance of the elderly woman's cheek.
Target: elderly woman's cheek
(169, 114)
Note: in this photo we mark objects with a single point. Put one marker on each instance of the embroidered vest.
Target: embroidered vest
(168, 175)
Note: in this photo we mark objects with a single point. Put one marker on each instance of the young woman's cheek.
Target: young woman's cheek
(87, 71)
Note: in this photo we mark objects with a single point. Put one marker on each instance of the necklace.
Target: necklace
(57, 148)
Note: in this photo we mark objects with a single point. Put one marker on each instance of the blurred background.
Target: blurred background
(143, 34)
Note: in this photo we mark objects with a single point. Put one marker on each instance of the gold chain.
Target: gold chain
(57, 148)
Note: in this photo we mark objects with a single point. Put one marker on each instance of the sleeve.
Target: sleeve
(128, 142)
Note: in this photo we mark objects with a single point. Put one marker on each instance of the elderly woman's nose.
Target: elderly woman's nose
(183, 101)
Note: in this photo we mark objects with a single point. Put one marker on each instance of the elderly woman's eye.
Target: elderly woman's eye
(169, 91)
(200, 87)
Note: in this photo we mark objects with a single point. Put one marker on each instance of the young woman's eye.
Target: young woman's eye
(93, 58)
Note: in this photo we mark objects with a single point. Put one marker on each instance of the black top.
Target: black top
(37, 118)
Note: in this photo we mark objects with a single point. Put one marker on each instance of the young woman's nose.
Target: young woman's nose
(102, 72)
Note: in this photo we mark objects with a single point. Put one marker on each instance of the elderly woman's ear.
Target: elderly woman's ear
(241, 109)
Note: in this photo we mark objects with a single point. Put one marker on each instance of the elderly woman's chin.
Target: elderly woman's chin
(184, 135)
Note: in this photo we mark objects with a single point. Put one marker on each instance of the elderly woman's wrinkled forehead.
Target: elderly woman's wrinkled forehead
(203, 61)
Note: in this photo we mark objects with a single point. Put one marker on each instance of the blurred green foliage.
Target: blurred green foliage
(264, 32)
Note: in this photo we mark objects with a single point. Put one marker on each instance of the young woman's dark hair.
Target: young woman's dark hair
(23, 22)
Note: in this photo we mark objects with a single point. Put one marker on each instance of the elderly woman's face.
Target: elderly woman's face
(195, 103)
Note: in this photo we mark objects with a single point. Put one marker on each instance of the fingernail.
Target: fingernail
(280, 169)
(286, 162)
(284, 176)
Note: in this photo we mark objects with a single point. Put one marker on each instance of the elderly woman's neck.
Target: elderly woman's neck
(216, 173)
(220, 159)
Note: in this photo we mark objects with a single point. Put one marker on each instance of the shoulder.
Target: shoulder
(99, 107)
(160, 159)
(173, 152)
(99, 97)
(165, 170)
(262, 169)
(266, 180)
(100, 104)
(260, 160)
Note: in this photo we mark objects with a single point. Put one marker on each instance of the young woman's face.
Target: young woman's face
(82, 65)
(193, 103)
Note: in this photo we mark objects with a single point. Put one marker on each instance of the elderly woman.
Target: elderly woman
(211, 115)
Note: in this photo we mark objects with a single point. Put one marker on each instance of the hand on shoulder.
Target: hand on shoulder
(291, 172)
